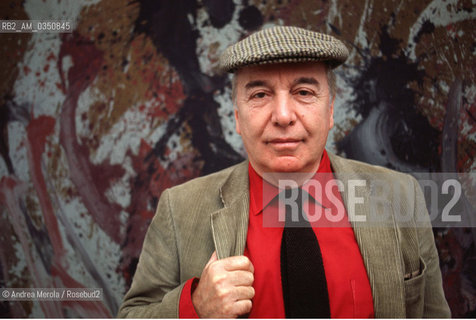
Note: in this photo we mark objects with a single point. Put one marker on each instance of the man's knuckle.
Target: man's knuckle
(246, 306)
(252, 292)
(228, 309)
(218, 278)
(223, 293)
(238, 260)
(246, 278)
(214, 267)
(251, 277)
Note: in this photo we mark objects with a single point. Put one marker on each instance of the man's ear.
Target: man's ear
(237, 122)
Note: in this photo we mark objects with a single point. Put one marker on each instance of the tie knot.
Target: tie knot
(294, 193)
(292, 200)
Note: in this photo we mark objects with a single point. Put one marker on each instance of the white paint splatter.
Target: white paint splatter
(126, 134)
(120, 192)
(439, 13)
(227, 121)
(54, 9)
(467, 126)
(104, 253)
(3, 168)
(212, 42)
(175, 148)
(85, 100)
(18, 150)
(39, 86)
(343, 111)
(334, 16)
(361, 38)
(18, 269)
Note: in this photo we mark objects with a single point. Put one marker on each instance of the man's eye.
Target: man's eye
(259, 95)
(304, 93)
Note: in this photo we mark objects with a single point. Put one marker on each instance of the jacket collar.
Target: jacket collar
(230, 224)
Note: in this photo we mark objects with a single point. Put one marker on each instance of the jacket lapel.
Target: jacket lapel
(230, 224)
(379, 245)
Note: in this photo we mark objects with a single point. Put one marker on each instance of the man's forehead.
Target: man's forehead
(309, 73)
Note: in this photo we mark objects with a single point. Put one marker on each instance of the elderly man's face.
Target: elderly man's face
(284, 113)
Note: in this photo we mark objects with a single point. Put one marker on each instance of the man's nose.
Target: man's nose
(283, 112)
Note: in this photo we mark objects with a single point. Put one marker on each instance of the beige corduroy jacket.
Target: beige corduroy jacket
(211, 213)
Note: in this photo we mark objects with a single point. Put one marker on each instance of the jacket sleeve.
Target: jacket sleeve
(434, 304)
(155, 290)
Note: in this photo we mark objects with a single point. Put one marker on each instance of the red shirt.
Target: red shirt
(347, 282)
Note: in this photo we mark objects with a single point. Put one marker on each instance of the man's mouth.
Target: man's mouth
(284, 143)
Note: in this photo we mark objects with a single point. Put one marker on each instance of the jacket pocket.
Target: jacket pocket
(414, 292)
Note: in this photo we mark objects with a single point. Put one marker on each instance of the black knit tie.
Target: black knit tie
(302, 271)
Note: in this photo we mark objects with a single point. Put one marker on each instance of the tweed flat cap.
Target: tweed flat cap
(283, 44)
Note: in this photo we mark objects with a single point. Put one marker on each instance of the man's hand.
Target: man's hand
(225, 288)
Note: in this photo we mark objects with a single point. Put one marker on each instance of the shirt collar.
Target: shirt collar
(262, 192)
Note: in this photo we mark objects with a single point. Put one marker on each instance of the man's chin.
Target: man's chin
(287, 166)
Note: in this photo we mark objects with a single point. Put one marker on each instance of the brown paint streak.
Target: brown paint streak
(306, 14)
(132, 71)
(270, 9)
(112, 37)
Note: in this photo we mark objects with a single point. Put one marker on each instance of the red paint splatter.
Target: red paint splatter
(147, 186)
(37, 131)
(86, 309)
(167, 97)
(26, 70)
(91, 180)
(51, 57)
(46, 68)
(451, 27)
(11, 191)
(142, 193)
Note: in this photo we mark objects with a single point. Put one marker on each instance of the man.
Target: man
(209, 252)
